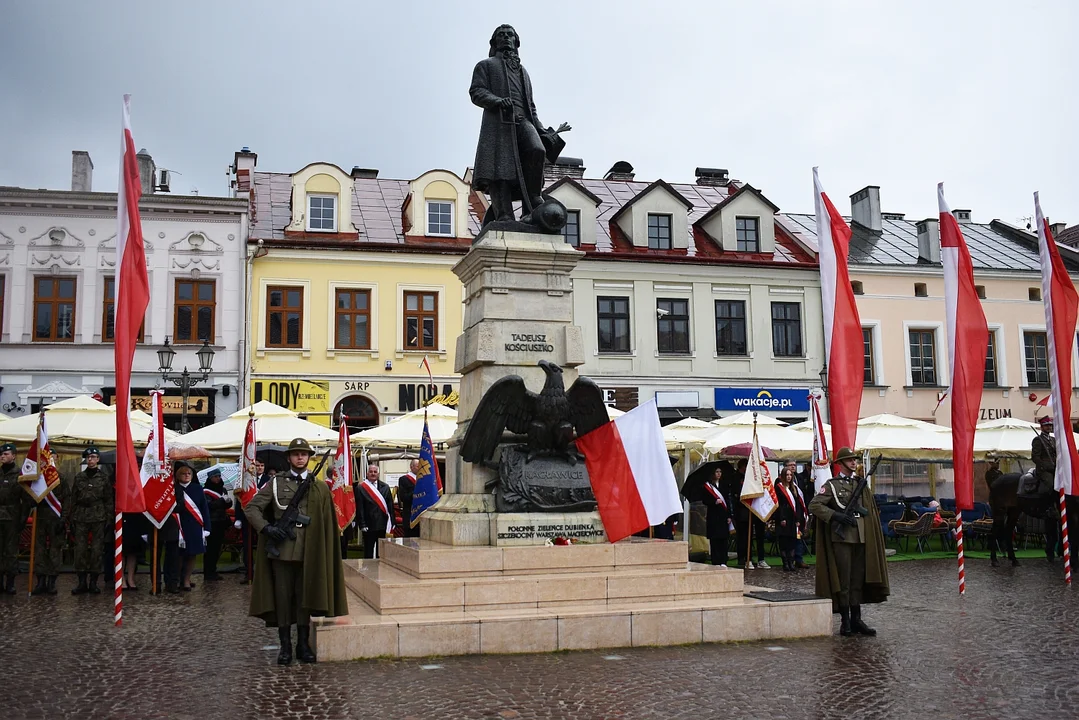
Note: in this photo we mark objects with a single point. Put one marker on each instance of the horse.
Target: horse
(1015, 493)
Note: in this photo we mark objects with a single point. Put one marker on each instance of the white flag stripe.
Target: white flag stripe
(642, 439)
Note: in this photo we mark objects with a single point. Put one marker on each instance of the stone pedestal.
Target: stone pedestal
(518, 311)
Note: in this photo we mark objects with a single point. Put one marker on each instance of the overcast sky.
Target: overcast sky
(981, 94)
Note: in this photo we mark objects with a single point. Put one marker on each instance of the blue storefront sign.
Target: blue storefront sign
(763, 399)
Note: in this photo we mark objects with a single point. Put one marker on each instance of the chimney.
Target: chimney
(962, 216)
(1057, 228)
(82, 171)
(363, 173)
(712, 176)
(243, 164)
(865, 208)
(147, 172)
(621, 170)
(929, 241)
(563, 167)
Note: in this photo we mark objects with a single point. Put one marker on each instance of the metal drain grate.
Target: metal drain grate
(780, 596)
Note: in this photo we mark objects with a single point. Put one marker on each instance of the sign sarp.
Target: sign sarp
(766, 399)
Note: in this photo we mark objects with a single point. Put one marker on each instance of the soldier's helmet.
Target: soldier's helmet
(7, 447)
(90, 451)
(845, 453)
(300, 444)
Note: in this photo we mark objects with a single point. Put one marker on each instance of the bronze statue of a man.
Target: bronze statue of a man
(513, 143)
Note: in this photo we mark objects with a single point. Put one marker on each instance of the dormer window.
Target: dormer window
(659, 232)
(322, 212)
(571, 231)
(748, 235)
(440, 218)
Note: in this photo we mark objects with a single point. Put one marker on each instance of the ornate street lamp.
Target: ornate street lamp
(185, 380)
(824, 378)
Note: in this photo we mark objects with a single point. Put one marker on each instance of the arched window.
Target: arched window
(362, 413)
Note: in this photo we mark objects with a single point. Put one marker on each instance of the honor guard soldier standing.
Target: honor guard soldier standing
(298, 570)
(13, 511)
(88, 508)
(1043, 451)
(49, 544)
(850, 546)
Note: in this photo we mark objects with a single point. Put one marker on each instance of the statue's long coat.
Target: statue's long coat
(494, 154)
(877, 587)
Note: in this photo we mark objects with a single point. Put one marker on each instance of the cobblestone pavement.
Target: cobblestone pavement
(1008, 650)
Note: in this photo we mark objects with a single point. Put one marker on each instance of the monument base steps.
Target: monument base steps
(425, 598)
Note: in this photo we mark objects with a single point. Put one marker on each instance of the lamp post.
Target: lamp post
(185, 380)
(824, 388)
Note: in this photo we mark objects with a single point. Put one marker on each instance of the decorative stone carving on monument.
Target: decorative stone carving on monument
(545, 473)
(513, 142)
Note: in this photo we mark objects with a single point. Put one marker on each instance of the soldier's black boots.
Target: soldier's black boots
(50, 586)
(284, 655)
(93, 584)
(9, 588)
(303, 648)
(40, 587)
(856, 624)
(81, 588)
(844, 622)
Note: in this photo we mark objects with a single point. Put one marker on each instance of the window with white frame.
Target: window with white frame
(322, 212)
(923, 357)
(1036, 355)
(992, 376)
(440, 217)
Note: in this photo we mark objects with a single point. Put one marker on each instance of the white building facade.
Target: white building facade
(57, 270)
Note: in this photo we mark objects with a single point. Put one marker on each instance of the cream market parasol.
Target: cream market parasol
(405, 432)
(276, 426)
(77, 421)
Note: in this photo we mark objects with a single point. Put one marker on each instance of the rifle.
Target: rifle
(291, 518)
(854, 508)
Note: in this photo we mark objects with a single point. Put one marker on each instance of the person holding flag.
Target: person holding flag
(13, 512)
(428, 485)
(406, 489)
(850, 546)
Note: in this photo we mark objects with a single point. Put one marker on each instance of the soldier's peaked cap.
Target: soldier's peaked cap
(7, 447)
(90, 451)
(845, 453)
(300, 444)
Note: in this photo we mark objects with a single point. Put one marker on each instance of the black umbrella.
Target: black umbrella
(693, 489)
(273, 456)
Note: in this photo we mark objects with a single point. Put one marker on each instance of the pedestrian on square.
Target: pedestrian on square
(850, 546)
(136, 530)
(88, 510)
(305, 576)
(218, 503)
(194, 516)
(789, 518)
(406, 488)
(798, 486)
(718, 525)
(374, 510)
(13, 513)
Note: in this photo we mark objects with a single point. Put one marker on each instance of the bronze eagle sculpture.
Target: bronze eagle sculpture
(549, 418)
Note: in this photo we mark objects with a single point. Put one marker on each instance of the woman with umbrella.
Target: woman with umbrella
(709, 484)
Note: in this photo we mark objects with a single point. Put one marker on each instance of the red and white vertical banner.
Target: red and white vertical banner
(248, 485)
(843, 348)
(132, 297)
(39, 474)
(968, 338)
(344, 499)
(758, 492)
(822, 464)
(1061, 308)
(158, 489)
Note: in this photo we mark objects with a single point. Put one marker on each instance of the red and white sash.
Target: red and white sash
(212, 494)
(714, 491)
(376, 497)
(193, 509)
(790, 498)
(54, 502)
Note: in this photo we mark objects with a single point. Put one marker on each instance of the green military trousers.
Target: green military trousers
(850, 566)
(49, 543)
(288, 593)
(89, 545)
(9, 546)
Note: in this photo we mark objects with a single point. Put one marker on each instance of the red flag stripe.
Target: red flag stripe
(617, 497)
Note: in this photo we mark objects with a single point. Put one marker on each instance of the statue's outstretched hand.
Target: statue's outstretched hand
(564, 127)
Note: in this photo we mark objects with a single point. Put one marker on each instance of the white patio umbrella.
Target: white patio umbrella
(1008, 437)
(777, 438)
(406, 431)
(4, 417)
(746, 418)
(78, 420)
(276, 425)
(806, 426)
(900, 438)
(688, 432)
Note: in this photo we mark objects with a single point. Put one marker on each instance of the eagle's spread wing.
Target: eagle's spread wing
(507, 404)
(586, 406)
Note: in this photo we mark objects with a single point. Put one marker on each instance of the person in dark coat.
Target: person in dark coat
(406, 488)
(716, 499)
(510, 132)
(195, 524)
(375, 518)
(798, 487)
(789, 517)
(218, 503)
(13, 511)
(743, 518)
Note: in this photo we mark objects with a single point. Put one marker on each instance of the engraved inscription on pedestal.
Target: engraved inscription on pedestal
(543, 484)
(537, 528)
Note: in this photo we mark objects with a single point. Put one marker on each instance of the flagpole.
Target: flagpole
(153, 567)
(118, 571)
(33, 543)
(1064, 540)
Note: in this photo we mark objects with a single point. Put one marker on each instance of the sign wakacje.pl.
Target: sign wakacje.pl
(763, 399)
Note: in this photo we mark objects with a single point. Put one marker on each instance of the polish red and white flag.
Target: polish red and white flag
(821, 462)
(158, 489)
(968, 338)
(1061, 309)
(344, 499)
(630, 472)
(843, 347)
(132, 297)
(248, 485)
(758, 491)
(39, 474)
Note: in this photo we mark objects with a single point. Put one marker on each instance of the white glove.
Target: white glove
(205, 534)
(146, 538)
(236, 524)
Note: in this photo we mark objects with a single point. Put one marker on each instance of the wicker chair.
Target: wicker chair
(921, 529)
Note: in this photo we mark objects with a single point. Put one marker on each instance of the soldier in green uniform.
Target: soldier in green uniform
(850, 547)
(88, 508)
(13, 512)
(48, 544)
(307, 578)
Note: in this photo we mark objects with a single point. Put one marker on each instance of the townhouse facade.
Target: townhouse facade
(57, 289)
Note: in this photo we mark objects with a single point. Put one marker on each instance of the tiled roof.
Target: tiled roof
(992, 247)
(1069, 237)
